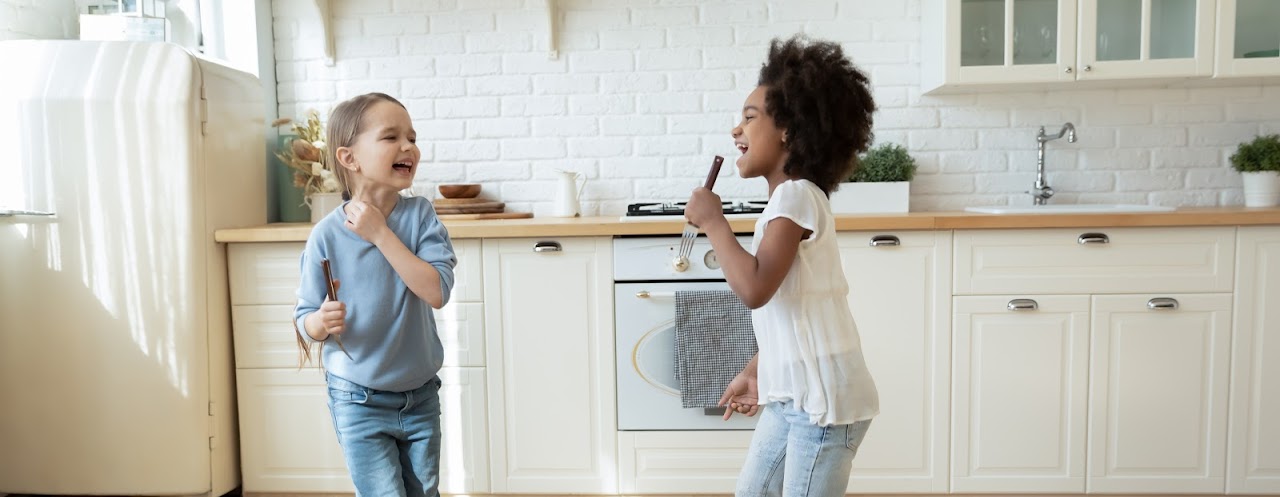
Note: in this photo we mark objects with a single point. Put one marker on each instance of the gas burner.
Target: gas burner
(677, 208)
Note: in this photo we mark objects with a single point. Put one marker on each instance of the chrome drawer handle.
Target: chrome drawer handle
(885, 241)
(547, 247)
(645, 294)
(1162, 304)
(1023, 305)
(1093, 238)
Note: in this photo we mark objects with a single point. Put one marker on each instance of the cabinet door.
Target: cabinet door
(983, 42)
(288, 442)
(1136, 39)
(548, 321)
(1253, 460)
(1248, 43)
(900, 298)
(1019, 394)
(1158, 395)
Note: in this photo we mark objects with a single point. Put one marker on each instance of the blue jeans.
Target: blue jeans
(391, 440)
(792, 457)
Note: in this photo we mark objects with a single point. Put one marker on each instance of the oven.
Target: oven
(645, 282)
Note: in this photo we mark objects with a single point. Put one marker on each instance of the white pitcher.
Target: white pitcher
(567, 196)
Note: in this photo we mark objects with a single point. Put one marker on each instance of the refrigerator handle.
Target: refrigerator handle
(12, 213)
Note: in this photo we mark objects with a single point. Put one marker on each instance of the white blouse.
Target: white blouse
(810, 352)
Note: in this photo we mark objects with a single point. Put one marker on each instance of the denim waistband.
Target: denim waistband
(340, 383)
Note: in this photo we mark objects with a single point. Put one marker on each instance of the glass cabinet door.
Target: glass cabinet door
(1015, 41)
(1249, 38)
(1122, 39)
(1008, 32)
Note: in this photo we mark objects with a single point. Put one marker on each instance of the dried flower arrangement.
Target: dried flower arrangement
(307, 156)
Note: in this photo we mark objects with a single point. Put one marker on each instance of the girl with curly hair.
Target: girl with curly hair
(801, 129)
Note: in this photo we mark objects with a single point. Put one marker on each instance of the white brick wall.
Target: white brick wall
(645, 92)
(38, 19)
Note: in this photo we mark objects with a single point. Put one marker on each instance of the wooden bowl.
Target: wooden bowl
(468, 190)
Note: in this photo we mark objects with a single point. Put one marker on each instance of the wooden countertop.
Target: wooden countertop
(612, 225)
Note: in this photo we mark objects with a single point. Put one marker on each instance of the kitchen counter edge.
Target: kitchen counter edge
(613, 226)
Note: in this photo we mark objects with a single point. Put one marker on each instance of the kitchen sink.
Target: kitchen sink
(1068, 209)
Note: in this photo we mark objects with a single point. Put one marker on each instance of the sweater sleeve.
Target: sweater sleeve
(435, 247)
(312, 288)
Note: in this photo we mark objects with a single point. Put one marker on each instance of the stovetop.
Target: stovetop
(677, 208)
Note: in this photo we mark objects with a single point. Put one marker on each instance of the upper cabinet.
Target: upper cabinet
(977, 43)
(1145, 39)
(1011, 44)
(1248, 38)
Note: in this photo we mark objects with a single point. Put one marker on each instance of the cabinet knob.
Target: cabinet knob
(1023, 305)
(885, 241)
(1162, 304)
(1093, 238)
(1067, 70)
(546, 247)
(1088, 68)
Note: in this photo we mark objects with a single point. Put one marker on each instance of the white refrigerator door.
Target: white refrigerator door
(104, 369)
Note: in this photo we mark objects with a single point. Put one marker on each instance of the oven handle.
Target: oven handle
(645, 294)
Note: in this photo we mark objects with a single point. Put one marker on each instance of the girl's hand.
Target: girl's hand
(333, 315)
(742, 395)
(704, 208)
(366, 220)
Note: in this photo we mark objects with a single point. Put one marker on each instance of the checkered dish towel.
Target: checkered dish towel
(714, 341)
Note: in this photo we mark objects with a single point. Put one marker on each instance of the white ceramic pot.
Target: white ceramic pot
(322, 204)
(1261, 188)
(864, 198)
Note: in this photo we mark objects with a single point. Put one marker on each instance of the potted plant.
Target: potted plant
(881, 182)
(1258, 162)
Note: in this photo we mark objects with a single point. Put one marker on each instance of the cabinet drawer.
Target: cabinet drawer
(264, 273)
(1094, 260)
(288, 443)
(264, 336)
(268, 273)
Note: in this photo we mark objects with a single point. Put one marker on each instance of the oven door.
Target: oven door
(648, 394)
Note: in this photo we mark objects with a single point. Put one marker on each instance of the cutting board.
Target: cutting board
(480, 208)
(456, 202)
(491, 215)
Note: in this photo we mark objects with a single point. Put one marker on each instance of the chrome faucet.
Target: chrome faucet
(1041, 192)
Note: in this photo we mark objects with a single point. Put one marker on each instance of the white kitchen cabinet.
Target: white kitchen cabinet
(1248, 42)
(985, 43)
(1018, 404)
(1253, 457)
(288, 442)
(1037, 44)
(289, 445)
(1145, 39)
(900, 298)
(1158, 393)
(549, 342)
(681, 462)
(1094, 260)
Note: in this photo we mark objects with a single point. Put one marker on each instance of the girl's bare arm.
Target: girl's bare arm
(756, 278)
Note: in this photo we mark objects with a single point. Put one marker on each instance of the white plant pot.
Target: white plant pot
(1261, 188)
(864, 198)
(322, 204)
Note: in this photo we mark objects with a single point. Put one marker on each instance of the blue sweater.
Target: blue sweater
(390, 332)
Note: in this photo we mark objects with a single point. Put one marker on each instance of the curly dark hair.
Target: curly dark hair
(824, 104)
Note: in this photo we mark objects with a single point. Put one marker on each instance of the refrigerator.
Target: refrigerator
(120, 160)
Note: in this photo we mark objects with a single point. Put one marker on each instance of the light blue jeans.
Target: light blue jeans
(791, 457)
(391, 440)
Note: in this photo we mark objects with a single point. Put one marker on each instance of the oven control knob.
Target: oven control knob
(681, 264)
(710, 260)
